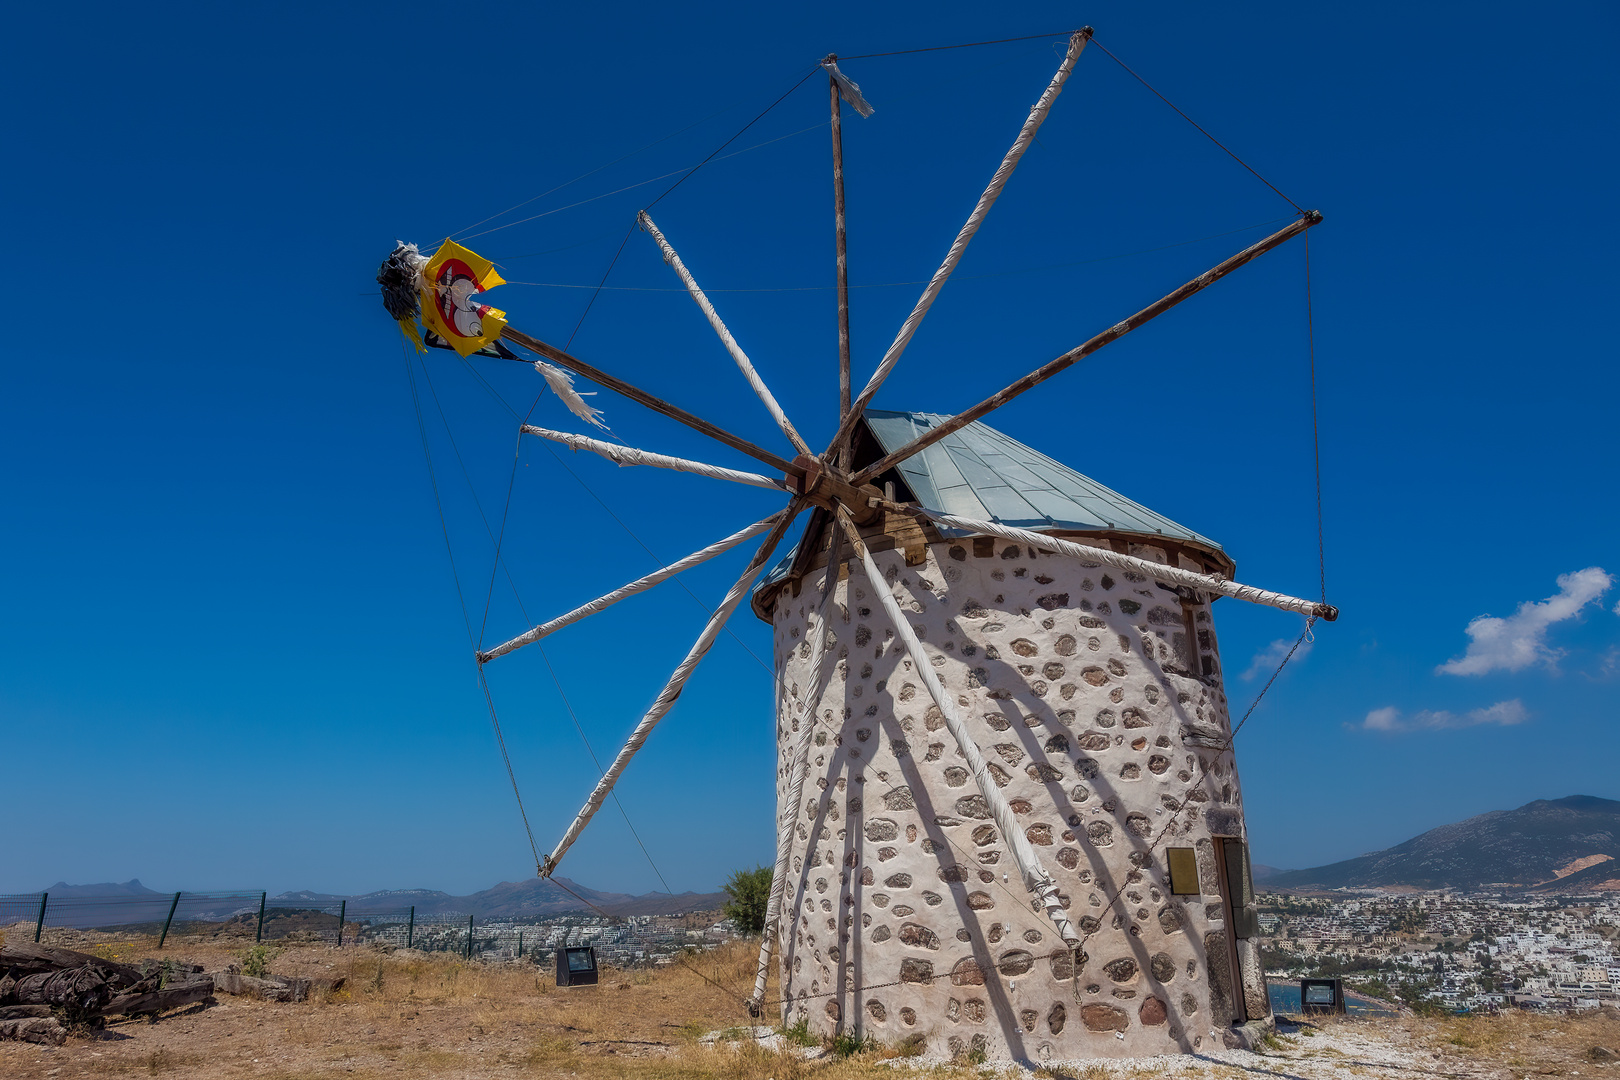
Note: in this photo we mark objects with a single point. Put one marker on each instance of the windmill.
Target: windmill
(1009, 819)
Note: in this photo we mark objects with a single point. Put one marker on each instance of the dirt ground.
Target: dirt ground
(412, 1015)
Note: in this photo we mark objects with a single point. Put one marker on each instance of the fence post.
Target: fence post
(258, 935)
(520, 944)
(410, 927)
(167, 922)
(343, 911)
(39, 927)
(469, 936)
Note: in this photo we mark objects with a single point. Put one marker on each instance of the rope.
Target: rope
(813, 69)
(592, 172)
(920, 281)
(594, 761)
(500, 740)
(965, 45)
(433, 481)
(642, 183)
(1316, 438)
(1201, 131)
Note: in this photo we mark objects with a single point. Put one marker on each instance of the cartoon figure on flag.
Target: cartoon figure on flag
(454, 279)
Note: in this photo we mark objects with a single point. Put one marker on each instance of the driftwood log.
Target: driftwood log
(45, 1030)
(26, 958)
(41, 986)
(174, 996)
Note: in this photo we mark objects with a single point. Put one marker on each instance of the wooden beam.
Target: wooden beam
(1113, 333)
(841, 243)
(1026, 134)
(656, 404)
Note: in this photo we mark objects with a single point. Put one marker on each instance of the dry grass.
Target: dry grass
(413, 1016)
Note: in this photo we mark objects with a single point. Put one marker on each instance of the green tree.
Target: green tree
(749, 892)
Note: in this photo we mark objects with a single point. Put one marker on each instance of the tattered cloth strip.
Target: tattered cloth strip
(562, 384)
(847, 88)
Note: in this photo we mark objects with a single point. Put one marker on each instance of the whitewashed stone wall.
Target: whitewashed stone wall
(904, 913)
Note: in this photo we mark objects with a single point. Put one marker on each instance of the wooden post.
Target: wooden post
(1113, 333)
(843, 256)
(410, 927)
(469, 936)
(343, 912)
(175, 903)
(658, 405)
(39, 927)
(520, 944)
(258, 935)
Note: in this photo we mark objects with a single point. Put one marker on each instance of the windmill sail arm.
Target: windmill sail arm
(1113, 333)
(1037, 879)
(629, 455)
(798, 767)
(1170, 575)
(745, 365)
(651, 401)
(672, 689)
(1026, 135)
(607, 600)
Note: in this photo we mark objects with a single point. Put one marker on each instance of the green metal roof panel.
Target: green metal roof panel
(979, 472)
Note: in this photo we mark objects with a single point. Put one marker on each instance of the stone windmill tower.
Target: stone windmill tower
(1097, 698)
(1009, 816)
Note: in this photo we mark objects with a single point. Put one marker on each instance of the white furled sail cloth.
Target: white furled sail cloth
(672, 689)
(1037, 879)
(745, 365)
(847, 88)
(1026, 135)
(1170, 575)
(805, 716)
(629, 455)
(562, 384)
(639, 585)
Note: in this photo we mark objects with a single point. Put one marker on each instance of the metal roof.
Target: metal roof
(978, 472)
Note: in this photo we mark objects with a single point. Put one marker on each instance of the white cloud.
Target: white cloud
(1502, 714)
(1266, 660)
(1520, 640)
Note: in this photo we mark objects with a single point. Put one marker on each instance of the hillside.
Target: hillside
(1570, 844)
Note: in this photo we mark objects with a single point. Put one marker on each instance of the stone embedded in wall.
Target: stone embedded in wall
(1152, 1012)
(1056, 1018)
(1162, 967)
(1015, 962)
(919, 937)
(1099, 1017)
(913, 970)
(967, 972)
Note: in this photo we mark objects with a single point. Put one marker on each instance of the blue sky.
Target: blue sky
(232, 653)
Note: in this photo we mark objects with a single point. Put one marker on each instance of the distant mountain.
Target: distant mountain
(532, 897)
(62, 890)
(1568, 844)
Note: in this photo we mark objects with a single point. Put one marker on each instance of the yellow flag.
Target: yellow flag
(450, 308)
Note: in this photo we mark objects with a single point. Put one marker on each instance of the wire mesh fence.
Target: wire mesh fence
(238, 918)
